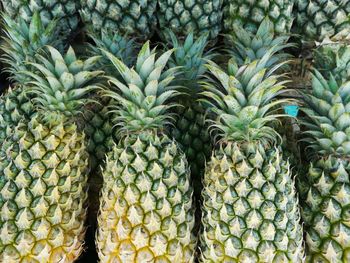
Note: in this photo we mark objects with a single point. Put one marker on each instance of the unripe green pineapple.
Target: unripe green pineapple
(249, 14)
(333, 59)
(44, 165)
(250, 207)
(98, 124)
(319, 19)
(191, 129)
(132, 17)
(190, 16)
(64, 10)
(325, 189)
(146, 212)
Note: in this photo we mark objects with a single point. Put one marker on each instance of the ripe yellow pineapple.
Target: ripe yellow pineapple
(44, 165)
(146, 212)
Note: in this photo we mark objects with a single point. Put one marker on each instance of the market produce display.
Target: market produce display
(174, 131)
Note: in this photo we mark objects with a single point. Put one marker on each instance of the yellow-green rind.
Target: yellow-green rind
(325, 205)
(250, 207)
(146, 211)
(43, 175)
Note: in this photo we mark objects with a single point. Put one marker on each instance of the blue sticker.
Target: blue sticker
(291, 110)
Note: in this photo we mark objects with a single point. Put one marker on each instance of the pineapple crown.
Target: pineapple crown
(327, 107)
(244, 100)
(190, 56)
(116, 44)
(333, 59)
(61, 82)
(144, 92)
(246, 47)
(22, 41)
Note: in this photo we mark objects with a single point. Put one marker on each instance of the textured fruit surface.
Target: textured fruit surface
(333, 59)
(319, 19)
(192, 133)
(99, 129)
(186, 16)
(64, 10)
(132, 17)
(250, 207)
(146, 209)
(325, 211)
(249, 14)
(42, 193)
(14, 106)
(325, 190)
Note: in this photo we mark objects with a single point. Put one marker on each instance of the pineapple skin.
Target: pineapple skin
(146, 211)
(98, 123)
(333, 58)
(324, 191)
(317, 20)
(249, 14)
(99, 130)
(250, 208)
(132, 17)
(43, 192)
(15, 105)
(64, 10)
(325, 205)
(191, 131)
(196, 16)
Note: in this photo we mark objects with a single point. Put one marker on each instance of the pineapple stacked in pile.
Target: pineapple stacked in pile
(142, 135)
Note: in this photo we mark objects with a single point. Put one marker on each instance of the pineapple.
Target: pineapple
(246, 47)
(194, 16)
(64, 10)
(191, 129)
(319, 19)
(15, 105)
(99, 128)
(146, 212)
(132, 17)
(326, 188)
(333, 58)
(44, 165)
(22, 42)
(250, 208)
(250, 14)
